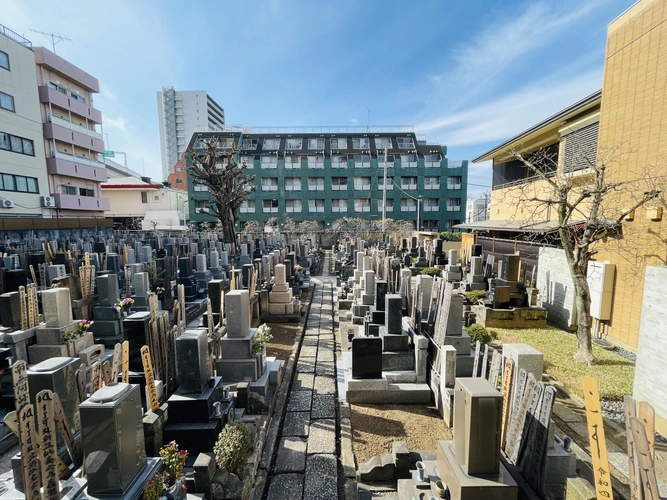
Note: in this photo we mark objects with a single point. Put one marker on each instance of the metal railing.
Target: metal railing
(327, 129)
(12, 35)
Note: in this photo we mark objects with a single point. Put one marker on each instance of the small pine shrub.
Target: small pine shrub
(448, 236)
(233, 447)
(478, 332)
(474, 295)
(432, 271)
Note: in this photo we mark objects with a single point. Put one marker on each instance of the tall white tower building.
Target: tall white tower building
(180, 113)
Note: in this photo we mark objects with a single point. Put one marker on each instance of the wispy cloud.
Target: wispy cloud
(118, 123)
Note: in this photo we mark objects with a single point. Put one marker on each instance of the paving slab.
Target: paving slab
(321, 482)
(306, 365)
(324, 385)
(325, 369)
(285, 486)
(291, 455)
(324, 406)
(303, 381)
(308, 352)
(322, 437)
(297, 423)
(300, 400)
(325, 355)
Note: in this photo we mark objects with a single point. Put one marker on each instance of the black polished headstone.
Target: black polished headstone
(366, 357)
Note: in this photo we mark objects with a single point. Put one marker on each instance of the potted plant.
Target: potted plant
(259, 341)
(233, 447)
(170, 483)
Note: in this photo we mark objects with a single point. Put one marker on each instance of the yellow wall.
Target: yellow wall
(632, 121)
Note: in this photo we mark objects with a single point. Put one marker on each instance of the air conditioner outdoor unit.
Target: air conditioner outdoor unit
(7, 204)
(48, 201)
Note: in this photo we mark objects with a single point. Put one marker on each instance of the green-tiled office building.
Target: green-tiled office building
(327, 174)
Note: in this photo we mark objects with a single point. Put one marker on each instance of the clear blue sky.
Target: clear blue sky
(468, 74)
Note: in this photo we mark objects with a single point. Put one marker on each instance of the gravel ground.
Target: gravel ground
(374, 427)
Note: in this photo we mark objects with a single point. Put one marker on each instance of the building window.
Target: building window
(339, 143)
(338, 161)
(16, 144)
(144, 197)
(199, 187)
(339, 183)
(7, 102)
(339, 205)
(431, 205)
(4, 60)
(269, 183)
(390, 183)
(225, 142)
(408, 161)
(362, 183)
(390, 160)
(382, 142)
(88, 192)
(249, 144)
(453, 204)
(249, 161)
(360, 142)
(408, 183)
(57, 87)
(179, 181)
(293, 143)
(431, 183)
(156, 198)
(316, 162)
(270, 206)
(454, 182)
(201, 206)
(292, 161)
(179, 169)
(269, 161)
(430, 225)
(247, 207)
(316, 205)
(293, 206)
(362, 205)
(67, 190)
(362, 161)
(408, 205)
(390, 205)
(9, 182)
(449, 225)
(271, 144)
(432, 161)
(317, 143)
(292, 183)
(315, 183)
(405, 142)
(78, 97)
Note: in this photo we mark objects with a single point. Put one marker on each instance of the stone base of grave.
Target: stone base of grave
(50, 335)
(65, 348)
(189, 408)
(237, 347)
(517, 317)
(18, 343)
(465, 487)
(105, 313)
(199, 437)
(237, 370)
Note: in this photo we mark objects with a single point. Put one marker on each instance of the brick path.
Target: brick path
(306, 465)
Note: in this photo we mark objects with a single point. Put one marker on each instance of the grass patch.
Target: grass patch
(614, 374)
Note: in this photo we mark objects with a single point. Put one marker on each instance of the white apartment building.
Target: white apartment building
(180, 114)
(477, 210)
(23, 176)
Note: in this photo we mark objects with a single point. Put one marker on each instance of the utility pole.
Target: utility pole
(384, 191)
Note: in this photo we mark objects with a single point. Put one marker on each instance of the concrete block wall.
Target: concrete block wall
(556, 290)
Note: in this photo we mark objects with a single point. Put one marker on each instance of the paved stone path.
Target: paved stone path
(306, 465)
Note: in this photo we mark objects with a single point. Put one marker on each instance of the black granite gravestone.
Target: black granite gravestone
(366, 357)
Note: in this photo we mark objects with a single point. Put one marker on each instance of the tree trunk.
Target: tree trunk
(582, 302)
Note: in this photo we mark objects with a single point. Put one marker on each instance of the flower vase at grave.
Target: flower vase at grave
(177, 491)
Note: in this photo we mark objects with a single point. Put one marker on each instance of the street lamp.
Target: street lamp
(419, 210)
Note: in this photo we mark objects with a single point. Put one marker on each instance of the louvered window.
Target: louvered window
(581, 148)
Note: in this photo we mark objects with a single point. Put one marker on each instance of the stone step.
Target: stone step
(400, 376)
(398, 360)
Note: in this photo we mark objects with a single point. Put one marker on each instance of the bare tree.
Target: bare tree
(228, 186)
(251, 227)
(587, 206)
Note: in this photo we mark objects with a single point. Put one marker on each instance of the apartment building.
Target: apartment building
(477, 210)
(72, 135)
(23, 177)
(328, 174)
(180, 114)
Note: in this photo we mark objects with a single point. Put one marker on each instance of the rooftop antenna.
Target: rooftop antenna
(55, 38)
(368, 127)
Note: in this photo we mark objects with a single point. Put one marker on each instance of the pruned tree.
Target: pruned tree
(228, 187)
(586, 204)
(251, 227)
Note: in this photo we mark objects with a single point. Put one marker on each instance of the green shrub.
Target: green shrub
(233, 447)
(478, 332)
(432, 271)
(474, 295)
(447, 236)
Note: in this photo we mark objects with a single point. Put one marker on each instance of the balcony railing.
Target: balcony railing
(78, 159)
(432, 187)
(12, 35)
(431, 164)
(454, 186)
(454, 208)
(56, 120)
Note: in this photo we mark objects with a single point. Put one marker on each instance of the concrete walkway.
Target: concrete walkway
(306, 464)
